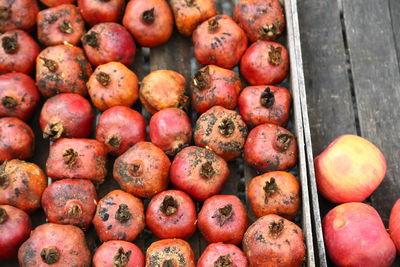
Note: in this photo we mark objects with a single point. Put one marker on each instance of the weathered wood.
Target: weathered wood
(394, 6)
(377, 88)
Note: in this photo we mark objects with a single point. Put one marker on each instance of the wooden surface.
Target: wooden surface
(351, 66)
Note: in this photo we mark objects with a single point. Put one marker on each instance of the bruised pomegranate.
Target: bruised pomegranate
(66, 115)
(18, 95)
(119, 128)
(199, 172)
(219, 41)
(119, 216)
(215, 86)
(270, 147)
(21, 184)
(62, 69)
(222, 131)
(222, 255)
(354, 235)
(142, 170)
(59, 25)
(265, 63)
(17, 140)
(274, 241)
(18, 14)
(163, 89)
(52, 3)
(150, 21)
(170, 252)
(77, 158)
(107, 42)
(18, 52)
(394, 225)
(265, 104)
(171, 214)
(70, 201)
(98, 11)
(55, 244)
(15, 227)
(260, 19)
(170, 130)
(118, 253)
(274, 193)
(223, 218)
(190, 13)
(113, 84)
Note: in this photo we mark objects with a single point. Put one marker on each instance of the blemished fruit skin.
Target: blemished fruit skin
(119, 216)
(355, 236)
(170, 130)
(17, 140)
(118, 253)
(349, 169)
(120, 128)
(265, 104)
(107, 42)
(62, 69)
(215, 86)
(113, 84)
(394, 224)
(18, 14)
(190, 13)
(270, 147)
(19, 96)
(162, 89)
(219, 41)
(21, 184)
(51, 3)
(223, 218)
(66, 115)
(18, 52)
(15, 227)
(70, 201)
(77, 158)
(274, 241)
(199, 172)
(171, 214)
(98, 11)
(170, 252)
(220, 254)
(265, 62)
(260, 19)
(59, 25)
(151, 22)
(274, 192)
(55, 244)
(221, 130)
(142, 170)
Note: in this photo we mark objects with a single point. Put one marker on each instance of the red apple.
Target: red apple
(349, 169)
(355, 236)
(394, 224)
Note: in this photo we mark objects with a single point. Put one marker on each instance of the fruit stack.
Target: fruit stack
(170, 176)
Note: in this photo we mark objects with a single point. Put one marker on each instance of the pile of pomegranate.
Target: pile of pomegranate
(68, 60)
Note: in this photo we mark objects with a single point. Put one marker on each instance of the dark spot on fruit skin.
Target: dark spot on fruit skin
(17, 192)
(109, 227)
(29, 255)
(103, 214)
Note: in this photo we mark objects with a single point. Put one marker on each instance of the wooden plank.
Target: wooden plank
(329, 98)
(377, 88)
(394, 6)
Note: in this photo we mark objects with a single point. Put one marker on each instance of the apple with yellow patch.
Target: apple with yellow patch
(355, 236)
(349, 169)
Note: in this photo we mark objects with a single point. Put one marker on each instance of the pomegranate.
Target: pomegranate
(98, 11)
(170, 130)
(199, 172)
(118, 253)
(18, 95)
(219, 41)
(170, 252)
(119, 128)
(220, 255)
(18, 14)
(66, 115)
